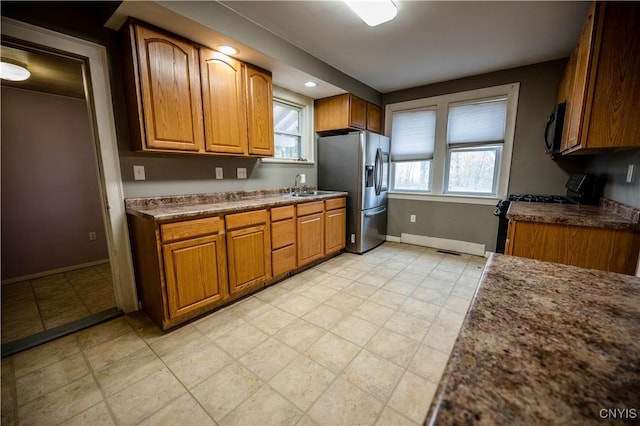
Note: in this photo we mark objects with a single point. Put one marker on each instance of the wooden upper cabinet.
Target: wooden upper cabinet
(604, 95)
(223, 100)
(164, 88)
(347, 111)
(374, 118)
(259, 89)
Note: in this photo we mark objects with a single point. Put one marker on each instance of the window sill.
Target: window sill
(462, 199)
(286, 161)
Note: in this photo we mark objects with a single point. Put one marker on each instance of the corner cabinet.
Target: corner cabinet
(601, 85)
(163, 84)
(347, 111)
(186, 98)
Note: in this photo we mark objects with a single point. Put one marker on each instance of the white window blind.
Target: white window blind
(477, 122)
(413, 135)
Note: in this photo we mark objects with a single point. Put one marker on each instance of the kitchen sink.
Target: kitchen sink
(310, 194)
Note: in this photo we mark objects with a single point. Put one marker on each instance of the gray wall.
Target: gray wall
(614, 168)
(532, 171)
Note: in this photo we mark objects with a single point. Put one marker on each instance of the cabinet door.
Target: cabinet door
(576, 102)
(249, 257)
(374, 118)
(171, 102)
(259, 111)
(223, 103)
(335, 232)
(195, 274)
(310, 231)
(357, 113)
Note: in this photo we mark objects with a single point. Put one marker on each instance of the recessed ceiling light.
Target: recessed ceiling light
(373, 12)
(13, 71)
(227, 50)
(311, 84)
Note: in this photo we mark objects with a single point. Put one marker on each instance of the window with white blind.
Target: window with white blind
(413, 133)
(453, 146)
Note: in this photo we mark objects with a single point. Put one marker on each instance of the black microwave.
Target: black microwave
(553, 130)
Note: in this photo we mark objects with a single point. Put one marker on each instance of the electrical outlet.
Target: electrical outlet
(138, 173)
(242, 173)
(92, 236)
(412, 218)
(630, 171)
(219, 174)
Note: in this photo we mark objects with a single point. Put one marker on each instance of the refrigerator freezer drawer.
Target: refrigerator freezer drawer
(372, 230)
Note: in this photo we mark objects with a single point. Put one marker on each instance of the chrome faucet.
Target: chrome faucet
(299, 183)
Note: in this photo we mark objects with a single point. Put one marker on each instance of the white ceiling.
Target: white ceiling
(428, 41)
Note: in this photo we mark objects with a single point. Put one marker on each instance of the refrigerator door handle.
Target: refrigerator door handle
(378, 172)
(377, 212)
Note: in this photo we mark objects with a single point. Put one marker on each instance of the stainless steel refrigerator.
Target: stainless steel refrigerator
(358, 163)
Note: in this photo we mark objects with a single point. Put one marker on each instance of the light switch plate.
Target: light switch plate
(219, 174)
(138, 173)
(630, 173)
(242, 173)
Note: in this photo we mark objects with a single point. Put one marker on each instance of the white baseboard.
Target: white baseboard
(54, 271)
(444, 244)
(393, 239)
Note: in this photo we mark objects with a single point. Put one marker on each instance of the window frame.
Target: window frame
(307, 135)
(441, 157)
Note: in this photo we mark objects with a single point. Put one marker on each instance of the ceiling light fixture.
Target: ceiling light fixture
(13, 70)
(311, 84)
(374, 12)
(227, 50)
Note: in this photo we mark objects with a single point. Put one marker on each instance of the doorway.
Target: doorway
(93, 273)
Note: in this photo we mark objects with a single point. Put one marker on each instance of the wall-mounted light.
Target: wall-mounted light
(373, 12)
(310, 84)
(227, 50)
(13, 70)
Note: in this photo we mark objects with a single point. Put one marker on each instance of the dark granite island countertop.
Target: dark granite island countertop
(544, 343)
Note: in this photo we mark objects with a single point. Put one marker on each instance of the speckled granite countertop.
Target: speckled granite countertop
(188, 206)
(543, 343)
(603, 216)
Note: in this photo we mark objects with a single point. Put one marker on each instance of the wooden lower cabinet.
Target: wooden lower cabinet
(248, 250)
(335, 225)
(181, 267)
(189, 267)
(195, 274)
(611, 250)
(310, 230)
(283, 240)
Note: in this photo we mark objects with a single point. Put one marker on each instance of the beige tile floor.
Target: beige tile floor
(29, 307)
(355, 340)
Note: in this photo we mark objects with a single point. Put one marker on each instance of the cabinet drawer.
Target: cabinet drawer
(284, 260)
(310, 208)
(335, 203)
(191, 228)
(241, 220)
(283, 233)
(280, 213)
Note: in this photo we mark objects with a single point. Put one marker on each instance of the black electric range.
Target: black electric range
(581, 189)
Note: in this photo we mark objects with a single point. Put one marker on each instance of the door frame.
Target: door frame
(100, 108)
